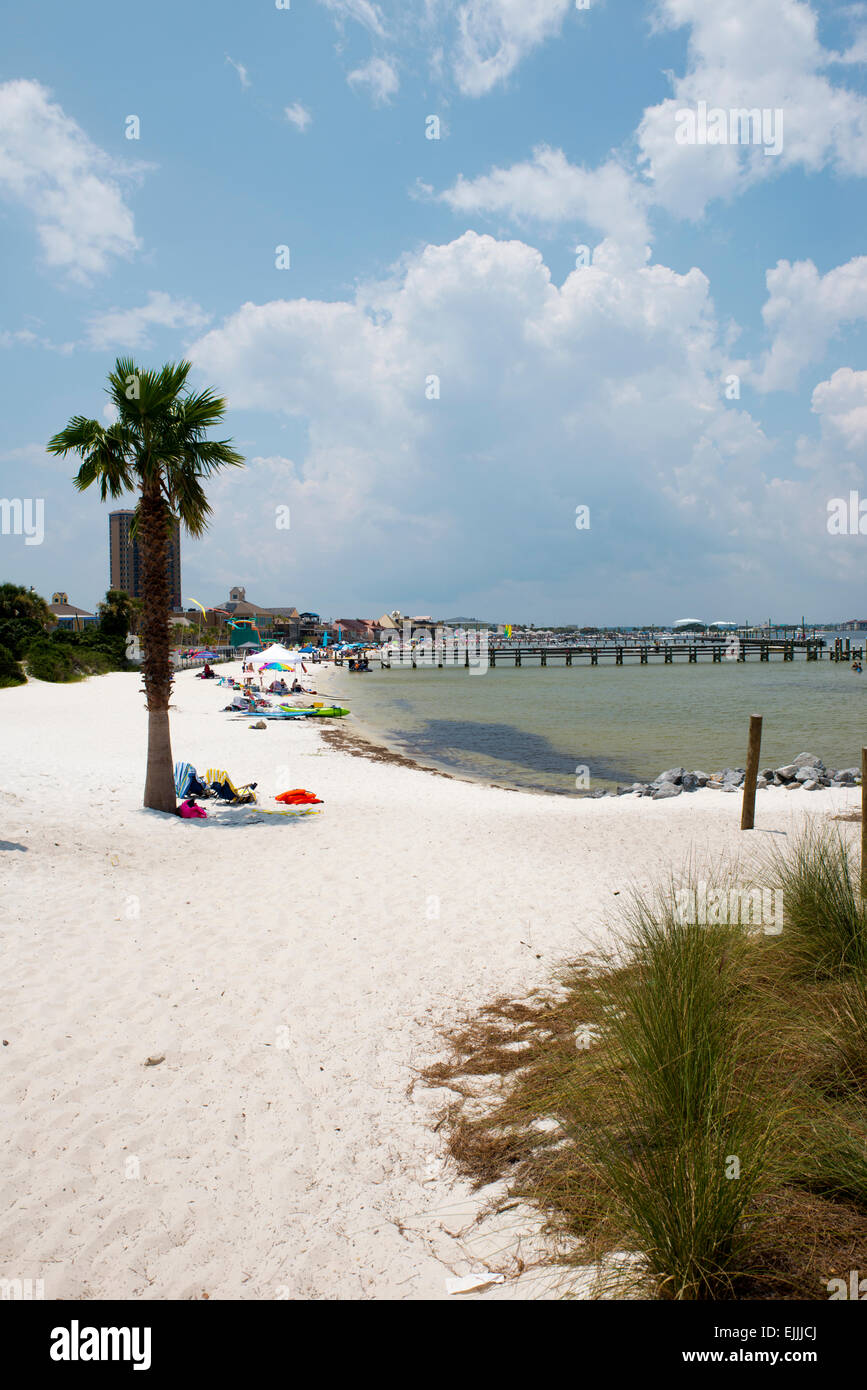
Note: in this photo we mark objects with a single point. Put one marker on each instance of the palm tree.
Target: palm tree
(156, 447)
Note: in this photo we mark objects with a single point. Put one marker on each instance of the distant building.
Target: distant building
(252, 619)
(68, 616)
(125, 559)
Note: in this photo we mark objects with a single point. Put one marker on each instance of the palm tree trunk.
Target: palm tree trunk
(159, 792)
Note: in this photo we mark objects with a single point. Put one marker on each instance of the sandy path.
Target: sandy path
(293, 975)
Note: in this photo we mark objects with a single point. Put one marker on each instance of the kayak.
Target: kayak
(326, 712)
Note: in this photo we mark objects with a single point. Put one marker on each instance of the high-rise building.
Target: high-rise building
(125, 558)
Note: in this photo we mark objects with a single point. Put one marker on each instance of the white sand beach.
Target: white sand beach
(294, 976)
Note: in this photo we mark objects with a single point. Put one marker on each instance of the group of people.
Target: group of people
(359, 663)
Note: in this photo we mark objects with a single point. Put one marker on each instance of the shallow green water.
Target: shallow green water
(535, 726)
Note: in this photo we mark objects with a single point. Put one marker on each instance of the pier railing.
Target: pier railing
(442, 655)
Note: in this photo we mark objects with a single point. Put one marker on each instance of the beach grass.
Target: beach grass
(697, 1098)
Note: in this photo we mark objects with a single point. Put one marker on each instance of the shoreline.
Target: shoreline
(364, 741)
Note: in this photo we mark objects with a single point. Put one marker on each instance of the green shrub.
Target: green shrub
(10, 670)
(49, 661)
(53, 660)
(825, 920)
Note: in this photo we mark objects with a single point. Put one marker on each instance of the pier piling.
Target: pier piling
(754, 748)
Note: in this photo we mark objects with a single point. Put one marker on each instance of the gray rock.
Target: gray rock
(666, 790)
(701, 777)
(807, 760)
(714, 786)
(792, 786)
(805, 774)
(689, 782)
(761, 782)
(768, 774)
(595, 796)
(847, 774)
(811, 785)
(788, 772)
(674, 774)
(729, 787)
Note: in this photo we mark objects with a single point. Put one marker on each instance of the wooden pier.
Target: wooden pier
(436, 656)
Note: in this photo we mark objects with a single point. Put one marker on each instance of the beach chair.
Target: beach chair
(188, 782)
(222, 786)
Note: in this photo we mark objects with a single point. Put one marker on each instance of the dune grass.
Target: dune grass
(709, 1087)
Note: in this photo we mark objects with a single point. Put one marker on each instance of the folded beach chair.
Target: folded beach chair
(188, 782)
(222, 786)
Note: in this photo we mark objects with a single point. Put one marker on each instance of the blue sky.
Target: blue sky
(411, 258)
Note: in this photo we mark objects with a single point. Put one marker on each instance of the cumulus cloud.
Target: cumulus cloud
(763, 56)
(50, 167)
(803, 311)
(129, 328)
(466, 405)
(842, 405)
(298, 116)
(549, 190)
(380, 77)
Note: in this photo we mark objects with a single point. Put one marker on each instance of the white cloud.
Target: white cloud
(842, 405)
(362, 11)
(550, 190)
(803, 311)
(49, 166)
(767, 56)
(298, 116)
(240, 70)
(380, 77)
(128, 328)
(496, 35)
(606, 390)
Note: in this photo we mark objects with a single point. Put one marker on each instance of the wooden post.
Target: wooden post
(864, 825)
(748, 812)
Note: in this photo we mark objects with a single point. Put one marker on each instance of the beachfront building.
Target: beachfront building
(125, 559)
(281, 623)
(312, 629)
(68, 616)
(355, 629)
